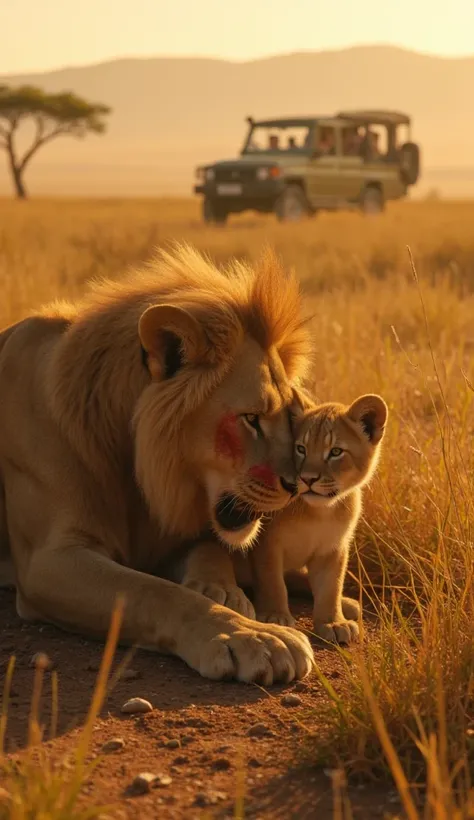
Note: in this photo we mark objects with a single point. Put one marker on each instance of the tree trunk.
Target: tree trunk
(18, 183)
(17, 176)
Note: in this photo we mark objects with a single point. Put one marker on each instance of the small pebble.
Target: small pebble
(113, 745)
(186, 739)
(254, 763)
(146, 781)
(259, 730)
(162, 781)
(42, 661)
(130, 674)
(143, 783)
(172, 744)
(181, 760)
(210, 798)
(221, 764)
(291, 700)
(301, 686)
(136, 706)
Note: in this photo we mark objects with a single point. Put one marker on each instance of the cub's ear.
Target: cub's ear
(301, 403)
(171, 337)
(371, 413)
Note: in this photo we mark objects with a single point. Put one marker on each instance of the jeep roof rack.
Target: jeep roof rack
(376, 117)
(287, 121)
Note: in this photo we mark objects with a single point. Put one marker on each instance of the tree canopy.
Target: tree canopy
(52, 115)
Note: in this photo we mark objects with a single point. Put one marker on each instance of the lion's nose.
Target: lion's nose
(289, 486)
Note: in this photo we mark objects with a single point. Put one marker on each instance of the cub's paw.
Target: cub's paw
(351, 609)
(282, 618)
(343, 632)
(263, 655)
(229, 595)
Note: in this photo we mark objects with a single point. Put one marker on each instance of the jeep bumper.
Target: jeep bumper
(258, 191)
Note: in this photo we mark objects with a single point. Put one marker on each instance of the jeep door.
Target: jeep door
(352, 165)
(322, 182)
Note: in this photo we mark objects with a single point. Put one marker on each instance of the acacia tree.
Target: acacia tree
(51, 115)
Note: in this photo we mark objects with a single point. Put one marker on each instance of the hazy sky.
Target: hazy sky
(43, 34)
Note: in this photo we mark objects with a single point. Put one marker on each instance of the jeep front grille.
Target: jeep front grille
(235, 174)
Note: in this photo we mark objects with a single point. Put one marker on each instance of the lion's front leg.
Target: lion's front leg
(209, 570)
(76, 587)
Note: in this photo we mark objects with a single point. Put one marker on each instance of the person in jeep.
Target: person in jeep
(327, 143)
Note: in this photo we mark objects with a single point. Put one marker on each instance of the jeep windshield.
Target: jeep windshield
(291, 137)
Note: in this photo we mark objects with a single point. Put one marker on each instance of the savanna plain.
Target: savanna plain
(384, 729)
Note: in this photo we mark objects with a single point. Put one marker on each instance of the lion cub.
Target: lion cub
(337, 449)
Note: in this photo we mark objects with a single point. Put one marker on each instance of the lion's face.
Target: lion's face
(243, 445)
(213, 435)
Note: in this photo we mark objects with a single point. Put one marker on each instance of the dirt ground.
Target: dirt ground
(212, 739)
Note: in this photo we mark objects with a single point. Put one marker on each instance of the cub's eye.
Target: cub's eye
(301, 449)
(253, 421)
(336, 452)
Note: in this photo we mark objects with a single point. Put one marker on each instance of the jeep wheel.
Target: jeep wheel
(372, 201)
(211, 212)
(292, 205)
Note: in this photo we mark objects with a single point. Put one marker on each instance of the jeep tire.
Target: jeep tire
(212, 212)
(292, 205)
(372, 201)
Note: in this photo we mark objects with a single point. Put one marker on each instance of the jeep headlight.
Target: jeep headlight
(210, 174)
(273, 172)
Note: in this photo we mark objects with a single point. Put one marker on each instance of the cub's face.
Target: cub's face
(244, 451)
(337, 448)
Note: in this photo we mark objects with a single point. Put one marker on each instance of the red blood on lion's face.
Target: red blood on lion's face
(228, 443)
(264, 474)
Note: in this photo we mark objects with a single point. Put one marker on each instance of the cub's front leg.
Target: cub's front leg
(271, 595)
(334, 617)
(209, 570)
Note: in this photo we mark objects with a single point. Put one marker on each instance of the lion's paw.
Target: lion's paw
(229, 595)
(282, 618)
(342, 632)
(263, 655)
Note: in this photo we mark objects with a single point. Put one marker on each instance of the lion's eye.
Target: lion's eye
(336, 452)
(301, 449)
(253, 421)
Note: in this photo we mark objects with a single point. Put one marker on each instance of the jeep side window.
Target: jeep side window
(375, 143)
(352, 141)
(327, 141)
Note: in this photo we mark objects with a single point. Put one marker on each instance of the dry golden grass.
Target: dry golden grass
(379, 328)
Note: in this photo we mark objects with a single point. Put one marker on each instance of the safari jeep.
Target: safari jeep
(300, 165)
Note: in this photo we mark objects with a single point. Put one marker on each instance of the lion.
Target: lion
(152, 415)
(337, 448)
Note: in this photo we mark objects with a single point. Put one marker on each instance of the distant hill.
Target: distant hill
(171, 113)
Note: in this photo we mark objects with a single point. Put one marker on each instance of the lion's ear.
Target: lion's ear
(171, 337)
(370, 411)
